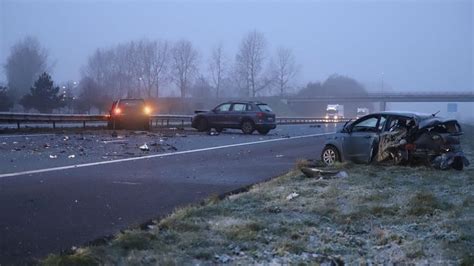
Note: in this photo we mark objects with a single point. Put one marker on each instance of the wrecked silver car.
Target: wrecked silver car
(398, 138)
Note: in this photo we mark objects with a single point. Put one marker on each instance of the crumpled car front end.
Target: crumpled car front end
(434, 141)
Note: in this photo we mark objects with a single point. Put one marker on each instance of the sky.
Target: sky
(410, 45)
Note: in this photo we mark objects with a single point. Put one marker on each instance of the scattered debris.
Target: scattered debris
(315, 172)
(292, 196)
(53, 156)
(274, 209)
(213, 133)
(72, 156)
(144, 147)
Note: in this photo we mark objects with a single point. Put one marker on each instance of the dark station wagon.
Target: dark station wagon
(245, 115)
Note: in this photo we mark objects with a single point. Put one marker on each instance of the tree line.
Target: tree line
(154, 68)
(151, 69)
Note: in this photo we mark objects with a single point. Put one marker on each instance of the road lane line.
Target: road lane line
(157, 155)
(26, 135)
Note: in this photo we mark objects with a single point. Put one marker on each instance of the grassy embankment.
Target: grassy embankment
(378, 214)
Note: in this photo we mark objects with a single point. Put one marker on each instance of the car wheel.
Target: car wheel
(330, 155)
(247, 127)
(219, 129)
(202, 125)
(263, 131)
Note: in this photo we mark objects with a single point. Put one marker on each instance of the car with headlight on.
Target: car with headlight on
(245, 115)
(129, 114)
(398, 138)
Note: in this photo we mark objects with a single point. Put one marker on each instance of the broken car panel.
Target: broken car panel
(399, 138)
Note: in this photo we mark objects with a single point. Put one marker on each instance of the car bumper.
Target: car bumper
(265, 125)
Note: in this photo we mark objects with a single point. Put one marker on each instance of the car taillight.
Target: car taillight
(147, 110)
(260, 115)
(410, 147)
(117, 111)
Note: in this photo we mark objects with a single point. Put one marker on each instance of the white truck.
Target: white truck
(334, 112)
(362, 111)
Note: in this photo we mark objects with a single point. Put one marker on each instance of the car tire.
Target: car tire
(247, 127)
(330, 155)
(219, 129)
(263, 131)
(202, 125)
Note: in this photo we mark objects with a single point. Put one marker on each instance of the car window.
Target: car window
(131, 103)
(264, 108)
(382, 122)
(368, 124)
(398, 122)
(249, 107)
(239, 107)
(223, 107)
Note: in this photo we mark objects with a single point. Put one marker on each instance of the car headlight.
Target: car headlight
(335, 117)
(147, 110)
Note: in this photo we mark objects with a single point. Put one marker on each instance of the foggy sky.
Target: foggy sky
(423, 45)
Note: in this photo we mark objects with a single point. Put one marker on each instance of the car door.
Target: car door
(360, 142)
(237, 113)
(220, 115)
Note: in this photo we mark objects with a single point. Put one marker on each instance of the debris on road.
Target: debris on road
(213, 133)
(53, 156)
(323, 174)
(279, 155)
(72, 156)
(292, 196)
(144, 147)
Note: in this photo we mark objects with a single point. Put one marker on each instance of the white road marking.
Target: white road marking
(26, 135)
(125, 183)
(156, 155)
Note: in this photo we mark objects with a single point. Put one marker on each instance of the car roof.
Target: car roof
(248, 102)
(406, 114)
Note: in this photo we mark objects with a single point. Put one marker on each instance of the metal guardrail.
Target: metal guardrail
(162, 120)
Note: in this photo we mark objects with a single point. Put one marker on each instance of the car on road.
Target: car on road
(245, 115)
(130, 114)
(399, 138)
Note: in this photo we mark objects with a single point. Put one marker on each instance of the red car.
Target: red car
(130, 114)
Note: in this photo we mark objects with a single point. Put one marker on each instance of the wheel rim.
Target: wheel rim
(329, 156)
(247, 127)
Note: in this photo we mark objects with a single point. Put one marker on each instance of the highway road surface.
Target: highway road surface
(52, 209)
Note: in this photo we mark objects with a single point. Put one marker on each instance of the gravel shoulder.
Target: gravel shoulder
(377, 214)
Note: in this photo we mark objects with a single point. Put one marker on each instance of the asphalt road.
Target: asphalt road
(54, 210)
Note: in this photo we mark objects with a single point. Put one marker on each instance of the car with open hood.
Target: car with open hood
(398, 138)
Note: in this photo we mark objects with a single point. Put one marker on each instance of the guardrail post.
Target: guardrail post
(54, 125)
(182, 123)
(167, 122)
(18, 124)
(84, 124)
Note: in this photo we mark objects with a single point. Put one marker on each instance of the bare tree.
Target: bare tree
(250, 61)
(154, 59)
(27, 60)
(284, 69)
(218, 67)
(184, 58)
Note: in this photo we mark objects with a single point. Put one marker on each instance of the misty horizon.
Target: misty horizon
(425, 46)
